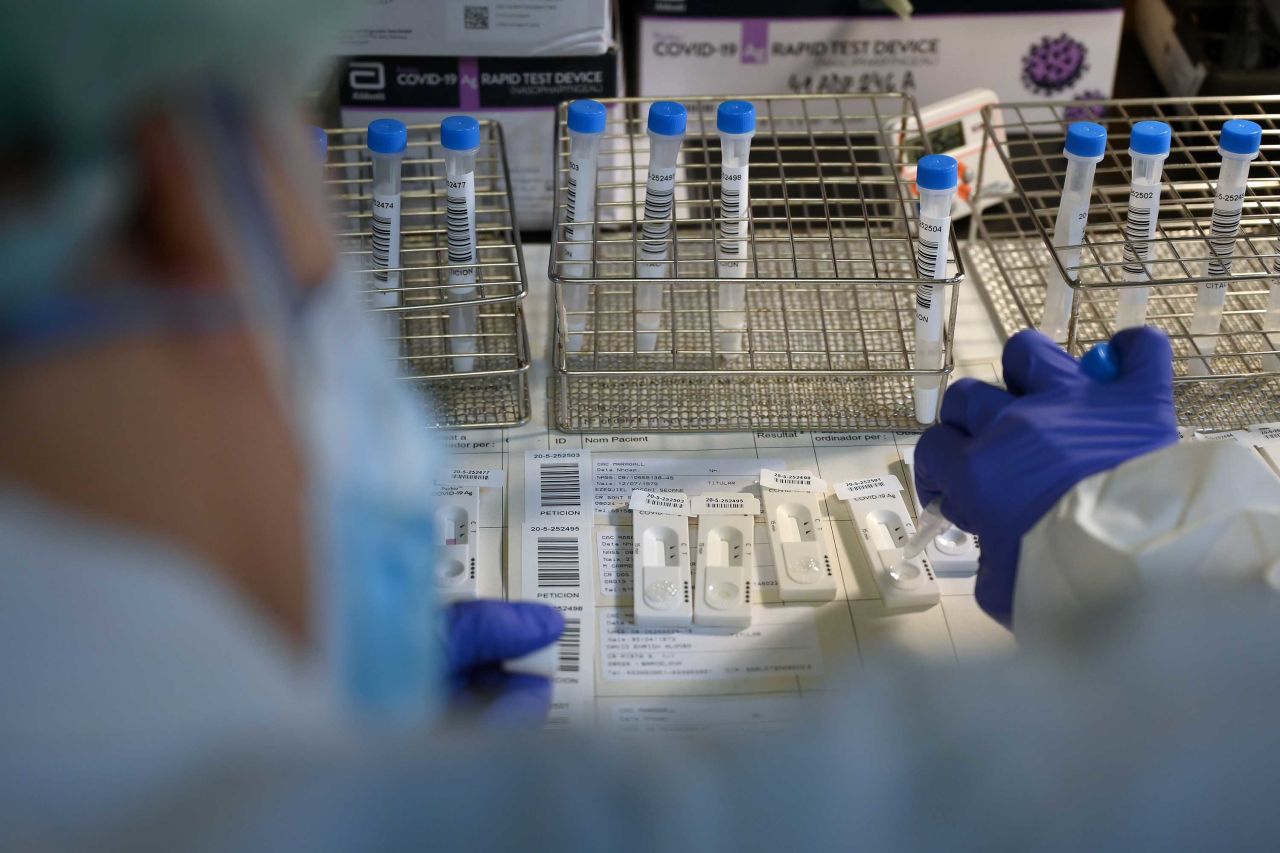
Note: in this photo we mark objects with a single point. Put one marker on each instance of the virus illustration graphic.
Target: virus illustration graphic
(1086, 111)
(1054, 64)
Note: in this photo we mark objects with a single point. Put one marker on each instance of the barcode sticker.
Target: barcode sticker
(725, 503)
(1140, 228)
(931, 243)
(868, 487)
(460, 222)
(791, 481)
(1222, 232)
(659, 199)
(481, 477)
(733, 219)
(571, 646)
(557, 484)
(558, 561)
(556, 565)
(665, 503)
(385, 234)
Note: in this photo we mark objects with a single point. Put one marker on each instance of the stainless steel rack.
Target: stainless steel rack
(1014, 247)
(487, 385)
(830, 281)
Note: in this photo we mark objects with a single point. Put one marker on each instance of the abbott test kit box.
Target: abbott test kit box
(480, 28)
(520, 94)
(1052, 49)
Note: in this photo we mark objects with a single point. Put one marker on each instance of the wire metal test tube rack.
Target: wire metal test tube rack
(830, 281)
(1242, 383)
(494, 391)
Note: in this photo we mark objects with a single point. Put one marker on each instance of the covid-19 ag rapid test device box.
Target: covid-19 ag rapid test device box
(1021, 49)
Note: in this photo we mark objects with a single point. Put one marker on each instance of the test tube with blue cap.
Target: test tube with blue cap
(666, 127)
(1101, 364)
(736, 124)
(937, 177)
(1238, 145)
(1086, 144)
(386, 139)
(586, 122)
(460, 139)
(1148, 149)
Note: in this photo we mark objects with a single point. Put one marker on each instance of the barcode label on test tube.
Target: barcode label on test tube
(460, 220)
(931, 253)
(732, 221)
(571, 194)
(1222, 232)
(659, 198)
(386, 233)
(1139, 228)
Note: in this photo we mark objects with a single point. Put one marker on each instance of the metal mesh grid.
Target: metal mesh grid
(473, 379)
(829, 282)
(1016, 234)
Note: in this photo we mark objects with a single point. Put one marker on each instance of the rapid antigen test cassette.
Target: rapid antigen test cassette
(882, 519)
(726, 528)
(458, 523)
(662, 594)
(796, 534)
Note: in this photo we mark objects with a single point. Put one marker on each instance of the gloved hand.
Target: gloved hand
(1000, 459)
(480, 635)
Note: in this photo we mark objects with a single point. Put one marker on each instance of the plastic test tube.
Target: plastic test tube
(1148, 149)
(387, 139)
(586, 122)
(666, 126)
(736, 124)
(1271, 361)
(1238, 144)
(460, 138)
(937, 176)
(1086, 144)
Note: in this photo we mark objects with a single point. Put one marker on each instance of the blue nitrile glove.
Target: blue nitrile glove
(1000, 459)
(480, 635)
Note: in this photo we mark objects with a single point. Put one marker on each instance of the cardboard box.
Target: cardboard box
(521, 94)
(1050, 50)
(480, 28)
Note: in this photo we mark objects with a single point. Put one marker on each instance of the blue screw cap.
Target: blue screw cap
(1086, 139)
(460, 133)
(587, 116)
(1240, 136)
(667, 118)
(1102, 363)
(1150, 137)
(937, 172)
(387, 136)
(736, 117)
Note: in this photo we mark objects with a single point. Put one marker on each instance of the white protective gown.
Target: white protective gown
(143, 706)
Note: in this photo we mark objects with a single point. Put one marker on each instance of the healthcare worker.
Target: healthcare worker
(212, 607)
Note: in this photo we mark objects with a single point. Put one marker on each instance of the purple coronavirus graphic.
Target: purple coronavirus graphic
(1054, 64)
(1083, 110)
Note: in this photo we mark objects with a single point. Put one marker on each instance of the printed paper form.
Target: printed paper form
(832, 456)
(782, 641)
(615, 477)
